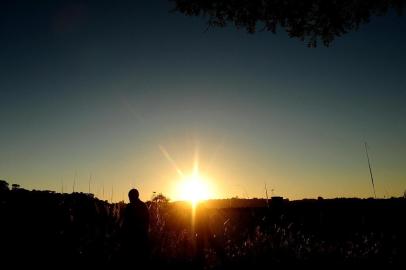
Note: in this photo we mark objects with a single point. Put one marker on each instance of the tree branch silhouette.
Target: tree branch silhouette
(310, 21)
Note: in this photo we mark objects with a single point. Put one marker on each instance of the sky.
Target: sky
(123, 94)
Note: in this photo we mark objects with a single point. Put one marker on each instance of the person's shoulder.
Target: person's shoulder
(142, 204)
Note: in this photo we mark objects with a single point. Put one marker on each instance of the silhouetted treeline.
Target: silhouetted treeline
(47, 228)
(50, 229)
(308, 20)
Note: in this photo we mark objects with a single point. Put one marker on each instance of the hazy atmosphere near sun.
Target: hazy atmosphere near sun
(131, 95)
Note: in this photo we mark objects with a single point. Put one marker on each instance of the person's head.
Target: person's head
(133, 195)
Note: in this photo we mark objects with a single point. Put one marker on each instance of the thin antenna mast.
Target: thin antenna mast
(112, 192)
(90, 179)
(266, 193)
(74, 182)
(370, 169)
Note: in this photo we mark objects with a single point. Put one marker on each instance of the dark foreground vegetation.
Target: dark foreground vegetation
(51, 229)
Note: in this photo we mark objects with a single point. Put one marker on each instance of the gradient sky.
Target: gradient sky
(104, 89)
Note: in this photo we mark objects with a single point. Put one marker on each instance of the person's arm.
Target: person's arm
(146, 218)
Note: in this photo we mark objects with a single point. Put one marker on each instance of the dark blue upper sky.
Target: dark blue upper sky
(98, 86)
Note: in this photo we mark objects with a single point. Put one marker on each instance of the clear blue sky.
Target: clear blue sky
(100, 88)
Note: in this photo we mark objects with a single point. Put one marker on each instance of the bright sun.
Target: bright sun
(194, 188)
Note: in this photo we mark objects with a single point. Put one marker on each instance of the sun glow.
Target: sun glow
(194, 188)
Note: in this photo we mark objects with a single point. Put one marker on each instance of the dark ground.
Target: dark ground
(50, 229)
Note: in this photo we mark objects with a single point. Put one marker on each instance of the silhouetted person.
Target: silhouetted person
(134, 230)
